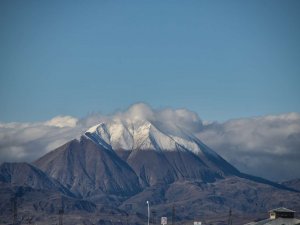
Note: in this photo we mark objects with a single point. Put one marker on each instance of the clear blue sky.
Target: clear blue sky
(221, 59)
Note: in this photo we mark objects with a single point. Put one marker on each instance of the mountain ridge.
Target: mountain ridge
(121, 165)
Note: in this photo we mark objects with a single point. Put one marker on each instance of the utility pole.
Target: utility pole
(154, 217)
(148, 204)
(61, 214)
(230, 217)
(14, 209)
(173, 215)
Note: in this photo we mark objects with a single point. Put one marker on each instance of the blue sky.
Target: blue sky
(221, 59)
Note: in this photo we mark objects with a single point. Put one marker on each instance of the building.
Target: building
(281, 213)
(279, 216)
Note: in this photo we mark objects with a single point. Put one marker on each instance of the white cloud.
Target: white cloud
(167, 117)
(28, 141)
(139, 111)
(62, 121)
(267, 146)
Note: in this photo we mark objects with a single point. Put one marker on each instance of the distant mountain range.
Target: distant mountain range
(107, 176)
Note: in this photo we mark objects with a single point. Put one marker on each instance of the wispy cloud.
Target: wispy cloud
(267, 146)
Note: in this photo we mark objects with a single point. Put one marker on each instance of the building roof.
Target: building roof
(281, 209)
(278, 221)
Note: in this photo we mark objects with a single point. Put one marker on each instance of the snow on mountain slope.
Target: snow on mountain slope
(160, 152)
(144, 135)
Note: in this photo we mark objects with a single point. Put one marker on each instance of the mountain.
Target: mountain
(88, 169)
(36, 194)
(115, 167)
(294, 183)
(158, 154)
(26, 175)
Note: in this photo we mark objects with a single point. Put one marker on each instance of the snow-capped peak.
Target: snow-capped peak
(142, 135)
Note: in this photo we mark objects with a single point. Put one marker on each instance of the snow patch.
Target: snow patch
(137, 134)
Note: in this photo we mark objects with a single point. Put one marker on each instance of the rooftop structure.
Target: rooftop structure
(281, 213)
(279, 216)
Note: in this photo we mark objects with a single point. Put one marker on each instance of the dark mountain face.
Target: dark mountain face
(89, 169)
(154, 167)
(295, 184)
(36, 194)
(151, 167)
(26, 175)
(215, 161)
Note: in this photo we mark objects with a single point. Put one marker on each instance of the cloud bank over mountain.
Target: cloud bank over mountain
(267, 146)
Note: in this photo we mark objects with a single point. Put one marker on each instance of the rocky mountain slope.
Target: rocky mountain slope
(89, 169)
(294, 183)
(26, 175)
